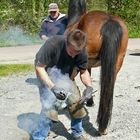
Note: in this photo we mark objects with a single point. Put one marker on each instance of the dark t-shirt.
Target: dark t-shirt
(53, 53)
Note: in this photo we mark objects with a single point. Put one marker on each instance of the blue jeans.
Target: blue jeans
(45, 124)
(41, 132)
(76, 127)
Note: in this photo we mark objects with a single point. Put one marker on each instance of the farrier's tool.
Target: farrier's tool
(61, 104)
(85, 97)
(80, 103)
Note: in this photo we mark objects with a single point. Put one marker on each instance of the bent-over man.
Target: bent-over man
(68, 54)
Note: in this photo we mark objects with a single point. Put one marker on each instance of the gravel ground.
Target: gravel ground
(20, 104)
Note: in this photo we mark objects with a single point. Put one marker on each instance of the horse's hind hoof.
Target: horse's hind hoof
(90, 102)
(103, 132)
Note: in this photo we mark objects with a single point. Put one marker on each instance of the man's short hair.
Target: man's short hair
(77, 38)
(53, 7)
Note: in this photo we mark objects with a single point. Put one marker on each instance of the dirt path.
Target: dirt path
(26, 54)
(18, 55)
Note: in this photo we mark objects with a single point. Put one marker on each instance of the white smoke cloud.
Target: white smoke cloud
(31, 121)
(15, 36)
(61, 80)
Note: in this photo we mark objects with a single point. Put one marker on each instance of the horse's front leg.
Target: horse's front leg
(92, 63)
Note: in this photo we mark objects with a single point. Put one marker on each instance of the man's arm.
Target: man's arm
(42, 74)
(85, 78)
(43, 31)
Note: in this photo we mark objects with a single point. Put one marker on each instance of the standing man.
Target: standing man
(55, 24)
(68, 54)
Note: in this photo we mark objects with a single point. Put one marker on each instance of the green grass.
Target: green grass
(9, 69)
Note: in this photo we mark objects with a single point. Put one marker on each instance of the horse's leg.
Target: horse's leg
(92, 63)
(120, 61)
(89, 70)
(90, 102)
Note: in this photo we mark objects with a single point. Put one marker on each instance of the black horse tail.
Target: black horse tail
(111, 33)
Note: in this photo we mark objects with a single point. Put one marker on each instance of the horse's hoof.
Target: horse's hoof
(90, 102)
(103, 132)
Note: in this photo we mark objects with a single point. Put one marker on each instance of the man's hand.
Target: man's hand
(59, 93)
(44, 37)
(87, 94)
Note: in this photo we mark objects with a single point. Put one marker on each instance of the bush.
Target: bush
(29, 14)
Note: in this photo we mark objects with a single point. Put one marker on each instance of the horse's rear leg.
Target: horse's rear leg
(119, 62)
(90, 102)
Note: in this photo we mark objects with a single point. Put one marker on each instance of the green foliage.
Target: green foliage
(9, 69)
(28, 14)
(128, 10)
(25, 13)
(96, 5)
(134, 31)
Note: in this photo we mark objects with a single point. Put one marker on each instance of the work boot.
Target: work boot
(90, 102)
(80, 138)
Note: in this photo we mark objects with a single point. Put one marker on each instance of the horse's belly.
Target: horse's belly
(92, 62)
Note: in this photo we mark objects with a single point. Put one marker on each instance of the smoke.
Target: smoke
(15, 36)
(61, 80)
(32, 122)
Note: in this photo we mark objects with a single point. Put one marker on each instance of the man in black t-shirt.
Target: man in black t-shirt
(69, 55)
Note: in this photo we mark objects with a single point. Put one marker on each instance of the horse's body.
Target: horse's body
(107, 38)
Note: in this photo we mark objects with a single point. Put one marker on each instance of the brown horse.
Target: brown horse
(107, 43)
